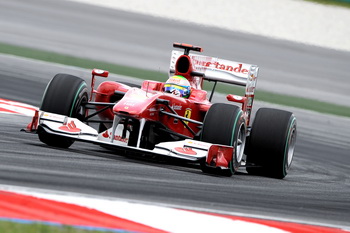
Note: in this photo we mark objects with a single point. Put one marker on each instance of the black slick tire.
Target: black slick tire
(224, 124)
(64, 95)
(271, 143)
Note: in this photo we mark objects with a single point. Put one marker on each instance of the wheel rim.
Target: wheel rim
(240, 143)
(290, 146)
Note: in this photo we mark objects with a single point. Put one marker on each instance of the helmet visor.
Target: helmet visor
(177, 90)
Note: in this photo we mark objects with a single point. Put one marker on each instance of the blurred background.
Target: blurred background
(301, 47)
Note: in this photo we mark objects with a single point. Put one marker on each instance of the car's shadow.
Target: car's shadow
(122, 155)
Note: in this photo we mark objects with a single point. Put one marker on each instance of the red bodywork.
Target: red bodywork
(142, 103)
(144, 117)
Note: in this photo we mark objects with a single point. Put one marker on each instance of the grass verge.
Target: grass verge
(292, 101)
(36, 227)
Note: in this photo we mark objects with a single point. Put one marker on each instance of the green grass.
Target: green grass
(341, 3)
(35, 227)
(298, 102)
(79, 62)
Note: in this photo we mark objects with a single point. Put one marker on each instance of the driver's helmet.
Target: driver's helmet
(178, 85)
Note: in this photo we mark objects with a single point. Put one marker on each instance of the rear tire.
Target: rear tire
(224, 124)
(271, 143)
(63, 95)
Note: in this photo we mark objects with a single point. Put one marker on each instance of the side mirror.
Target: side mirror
(96, 72)
(101, 73)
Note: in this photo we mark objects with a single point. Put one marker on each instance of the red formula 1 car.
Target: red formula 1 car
(181, 122)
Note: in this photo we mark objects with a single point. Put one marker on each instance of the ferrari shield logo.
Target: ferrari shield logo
(188, 114)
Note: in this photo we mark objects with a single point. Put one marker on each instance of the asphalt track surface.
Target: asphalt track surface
(315, 191)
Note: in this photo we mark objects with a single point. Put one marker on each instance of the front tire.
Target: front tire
(65, 95)
(272, 142)
(224, 124)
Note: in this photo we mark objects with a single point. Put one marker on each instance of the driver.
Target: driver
(178, 85)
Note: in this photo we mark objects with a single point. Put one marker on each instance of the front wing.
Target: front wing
(192, 150)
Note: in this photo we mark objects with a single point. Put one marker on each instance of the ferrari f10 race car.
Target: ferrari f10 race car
(172, 119)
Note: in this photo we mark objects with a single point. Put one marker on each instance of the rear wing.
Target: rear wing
(198, 67)
(220, 70)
